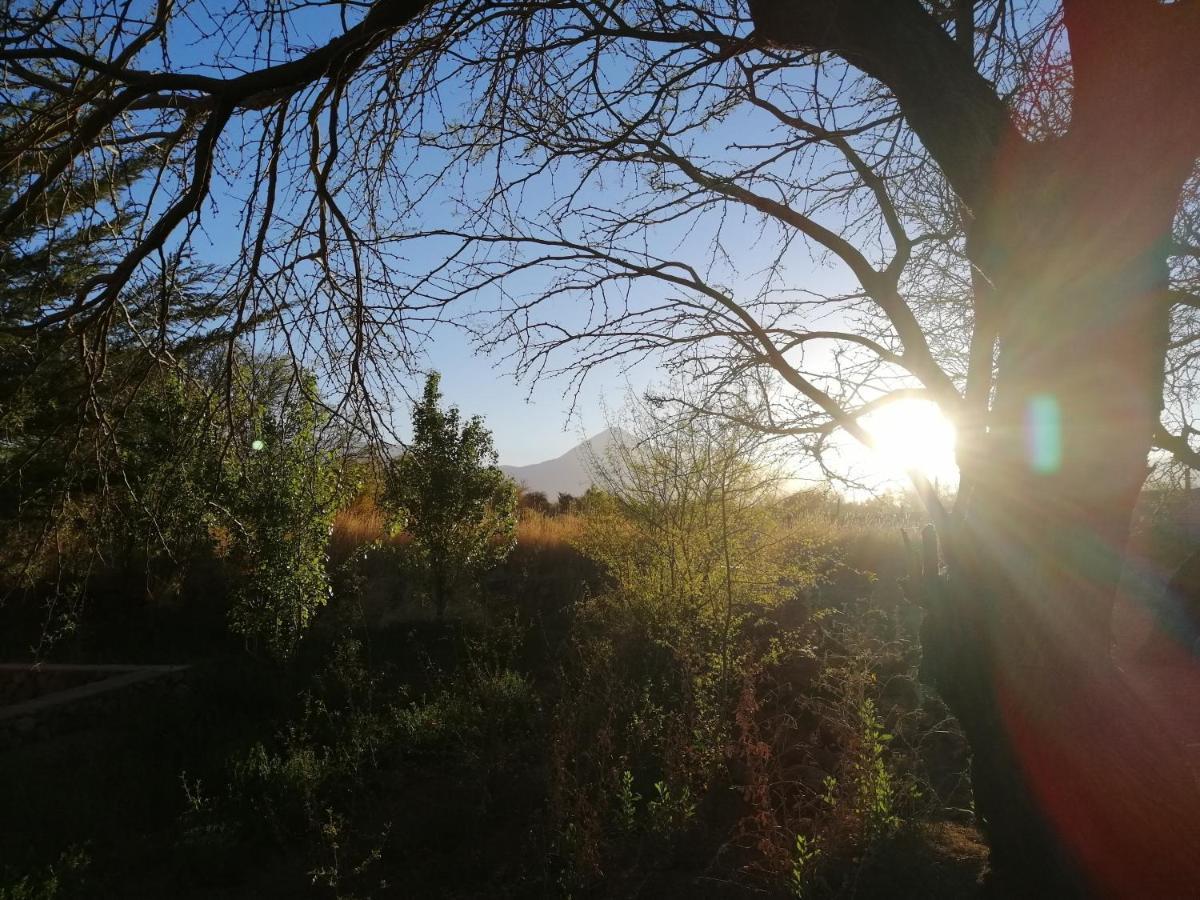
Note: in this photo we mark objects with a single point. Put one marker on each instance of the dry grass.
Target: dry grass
(861, 537)
(540, 532)
(358, 525)
(363, 523)
(546, 565)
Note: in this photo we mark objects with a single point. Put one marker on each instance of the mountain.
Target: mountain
(570, 473)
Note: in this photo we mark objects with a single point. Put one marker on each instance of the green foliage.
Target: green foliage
(63, 237)
(76, 439)
(460, 721)
(62, 401)
(339, 871)
(250, 492)
(152, 506)
(76, 518)
(627, 802)
(280, 789)
(114, 464)
(284, 492)
(63, 428)
(804, 860)
(875, 794)
(689, 525)
(696, 555)
(63, 878)
(448, 492)
(608, 758)
(705, 665)
(858, 795)
(670, 811)
(328, 781)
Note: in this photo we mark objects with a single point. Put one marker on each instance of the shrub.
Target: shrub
(827, 749)
(327, 780)
(449, 494)
(285, 491)
(180, 489)
(696, 558)
(64, 878)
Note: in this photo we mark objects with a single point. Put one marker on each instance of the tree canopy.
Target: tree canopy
(875, 131)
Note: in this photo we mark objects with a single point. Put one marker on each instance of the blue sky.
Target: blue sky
(530, 422)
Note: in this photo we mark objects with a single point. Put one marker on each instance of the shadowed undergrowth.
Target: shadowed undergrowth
(580, 725)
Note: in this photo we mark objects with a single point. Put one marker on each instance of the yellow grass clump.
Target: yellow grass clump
(536, 531)
(358, 525)
(363, 523)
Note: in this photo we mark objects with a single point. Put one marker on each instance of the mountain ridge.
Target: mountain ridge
(570, 473)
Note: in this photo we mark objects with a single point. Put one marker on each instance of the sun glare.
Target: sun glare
(912, 434)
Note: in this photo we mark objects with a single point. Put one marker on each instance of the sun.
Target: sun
(912, 435)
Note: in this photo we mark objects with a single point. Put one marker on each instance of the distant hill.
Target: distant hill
(569, 473)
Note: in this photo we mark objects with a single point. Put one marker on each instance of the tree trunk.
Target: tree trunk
(440, 588)
(1076, 785)
(1080, 791)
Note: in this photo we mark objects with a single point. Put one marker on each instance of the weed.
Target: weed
(804, 859)
(873, 785)
(55, 881)
(627, 802)
(670, 811)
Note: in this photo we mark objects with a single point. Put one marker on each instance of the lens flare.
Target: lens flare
(1043, 433)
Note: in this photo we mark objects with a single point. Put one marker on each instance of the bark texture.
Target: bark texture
(1080, 791)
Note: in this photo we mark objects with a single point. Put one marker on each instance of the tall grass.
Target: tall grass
(539, 532)
(361, 524)
(861, 536)
(546, 563)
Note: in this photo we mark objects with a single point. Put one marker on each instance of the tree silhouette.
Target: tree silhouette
(535, 500)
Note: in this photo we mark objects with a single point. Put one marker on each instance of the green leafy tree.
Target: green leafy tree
(690, 530)
(256, 486)
(697, 555)
(46, 254)
(449, 494)
(151, 501)
(105, 453)
(261, 480)
(123, 460)
(285, 491)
